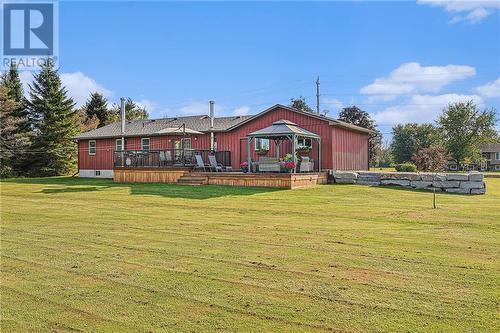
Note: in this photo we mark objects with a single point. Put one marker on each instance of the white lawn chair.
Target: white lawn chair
(217, 166)
(200, 164)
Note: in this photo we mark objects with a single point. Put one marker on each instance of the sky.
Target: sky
(400, 61)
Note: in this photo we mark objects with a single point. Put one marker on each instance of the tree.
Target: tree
(383, 156)
(55, 121)
(132, 112)
(358, 117)
(85, 123)
(410, 138)
(10, 138)
(97, 106)
(23, 131)
(465, 129)
(432, 159)
(300, 104)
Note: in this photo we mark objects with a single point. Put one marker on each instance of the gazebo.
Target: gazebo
(280, 131)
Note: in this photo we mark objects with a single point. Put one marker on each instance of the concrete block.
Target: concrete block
(420, 184)
(476, 177)
(369, 175)
(478, 191)
(429, 177)
(368, 182)
(446, 183)
(345, 181)
(469, 185)
(397, 182)
(458, 190)
(401, 175)
(457, 176)
(345, 175)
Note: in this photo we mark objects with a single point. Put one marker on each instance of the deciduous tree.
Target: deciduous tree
(465, 129)
(300, 104)
(408, 139)
(432, 159)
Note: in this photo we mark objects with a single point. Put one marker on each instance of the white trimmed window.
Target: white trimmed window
(261, 144)
(92, 147)
(497, 156)
(118, 145)
(145, 144)
(186, 143)
(304, 143)
(497, 167)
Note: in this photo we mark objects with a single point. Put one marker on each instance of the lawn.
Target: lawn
(91, 255)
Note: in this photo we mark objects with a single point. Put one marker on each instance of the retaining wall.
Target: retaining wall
(464, 183)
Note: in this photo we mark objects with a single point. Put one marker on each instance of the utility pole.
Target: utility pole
(317, 95)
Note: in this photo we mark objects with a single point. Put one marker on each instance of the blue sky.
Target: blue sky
(400, 61)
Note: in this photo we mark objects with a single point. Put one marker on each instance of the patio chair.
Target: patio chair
(217, 166)
(200, 164)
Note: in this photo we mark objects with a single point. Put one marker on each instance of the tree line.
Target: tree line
(37, 128)
(457, 135)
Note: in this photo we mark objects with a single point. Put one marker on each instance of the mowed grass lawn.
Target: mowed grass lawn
(91, 255)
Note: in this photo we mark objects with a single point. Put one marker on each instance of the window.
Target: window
(186, 143)
(145, 144)
(261, 144)
(453, 167)
(497, 156)
(98, 173)
(92, 147)
(304, 143)
(118, 145)
(497, 167)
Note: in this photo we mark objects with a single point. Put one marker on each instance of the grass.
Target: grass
(91, 255)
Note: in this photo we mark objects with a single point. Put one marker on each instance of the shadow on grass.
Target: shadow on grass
(82, 185)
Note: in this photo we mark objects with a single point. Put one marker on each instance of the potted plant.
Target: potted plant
(244, 166)
(288, 166)
(261, 152)
(303, 151)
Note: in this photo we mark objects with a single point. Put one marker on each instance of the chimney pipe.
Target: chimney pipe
(212, 116)
(122, 114)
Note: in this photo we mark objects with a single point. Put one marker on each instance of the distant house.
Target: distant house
(491, 160)
(491, 154)
(174, 141)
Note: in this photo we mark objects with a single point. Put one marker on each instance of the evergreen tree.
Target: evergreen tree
(10, 138)
(97, 106)
(14, 89)
(55, 122)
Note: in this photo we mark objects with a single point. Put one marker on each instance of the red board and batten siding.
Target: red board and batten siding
(235, 140)
(341, 149)
(103, 159)
(350, 150)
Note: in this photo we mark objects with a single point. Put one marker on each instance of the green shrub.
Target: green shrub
(406, 167)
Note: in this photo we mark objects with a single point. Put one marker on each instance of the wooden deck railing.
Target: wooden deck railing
(166, 158)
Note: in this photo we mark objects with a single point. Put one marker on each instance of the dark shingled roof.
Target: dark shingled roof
(155, 126)
(491, 148)
(199, 123)
(283, 128)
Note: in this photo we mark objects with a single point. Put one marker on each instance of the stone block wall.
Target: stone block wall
(464, 183)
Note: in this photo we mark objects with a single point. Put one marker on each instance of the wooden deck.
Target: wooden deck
(185, 177)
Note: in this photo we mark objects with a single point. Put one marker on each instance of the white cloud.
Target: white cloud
(194, 108)
(241, 111)
(80, 86)
(412, 78)
(489, 90)
(150, 106)
(472, 11)
(332, 103)
(421, 108)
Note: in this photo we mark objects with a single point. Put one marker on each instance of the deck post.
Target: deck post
(277, 144)
(249, 157)
(319, 154)
(294, 155)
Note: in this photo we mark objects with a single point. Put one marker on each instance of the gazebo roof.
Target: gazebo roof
(283, 128)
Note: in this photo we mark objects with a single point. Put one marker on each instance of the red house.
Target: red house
(170, 141)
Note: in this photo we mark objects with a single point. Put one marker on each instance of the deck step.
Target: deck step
(189, 179)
